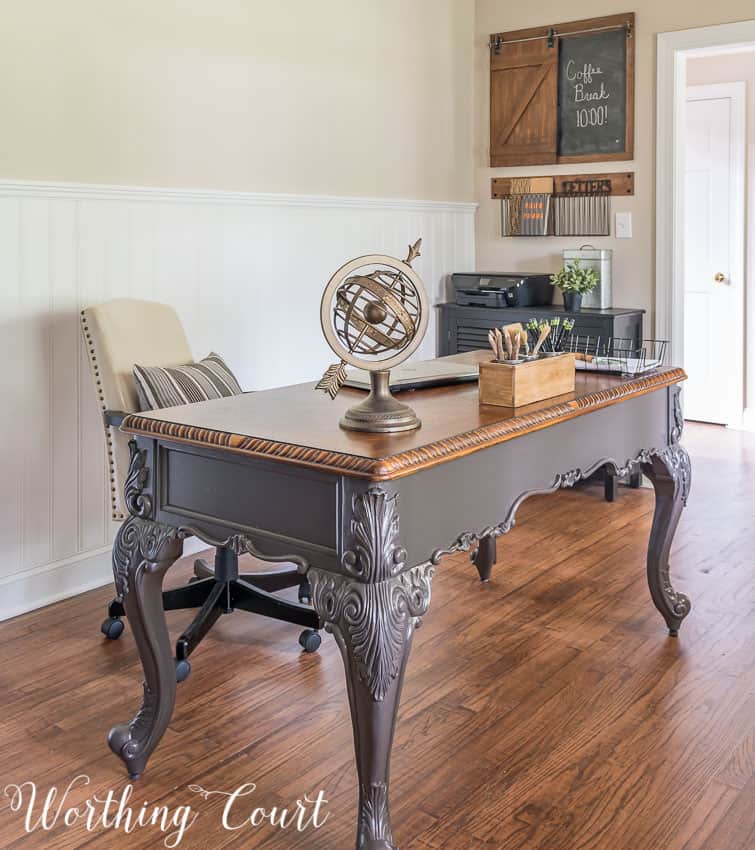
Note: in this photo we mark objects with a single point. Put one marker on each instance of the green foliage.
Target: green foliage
(573, 278)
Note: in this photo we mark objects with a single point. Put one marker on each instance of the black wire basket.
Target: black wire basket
(616, 356)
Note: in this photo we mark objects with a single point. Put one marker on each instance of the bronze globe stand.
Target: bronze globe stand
(380, 412)
(360, 314)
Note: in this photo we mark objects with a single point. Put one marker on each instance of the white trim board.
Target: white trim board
(674, 48)
(112, 192)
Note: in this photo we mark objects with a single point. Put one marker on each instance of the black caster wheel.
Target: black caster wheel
(112, 628)
(310, 640)
(183, 668)
(305, 593)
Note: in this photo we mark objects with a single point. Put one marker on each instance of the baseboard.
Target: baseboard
(41, 586)
(748, 420)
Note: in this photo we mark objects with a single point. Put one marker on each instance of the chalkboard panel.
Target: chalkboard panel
(592, 99)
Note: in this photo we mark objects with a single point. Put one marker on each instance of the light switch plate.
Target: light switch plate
(623, 225)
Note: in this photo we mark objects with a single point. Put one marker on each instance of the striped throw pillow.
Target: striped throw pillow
(168, 387)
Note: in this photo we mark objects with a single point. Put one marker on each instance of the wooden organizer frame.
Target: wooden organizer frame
(616, 184)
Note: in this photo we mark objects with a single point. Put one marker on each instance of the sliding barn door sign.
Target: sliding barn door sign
(563, 93)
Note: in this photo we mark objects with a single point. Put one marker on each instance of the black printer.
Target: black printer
(502, 289)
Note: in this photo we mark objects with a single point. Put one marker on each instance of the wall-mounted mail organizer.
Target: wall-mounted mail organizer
(563, 205)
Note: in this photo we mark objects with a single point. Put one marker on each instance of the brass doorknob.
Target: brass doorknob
(720, 277)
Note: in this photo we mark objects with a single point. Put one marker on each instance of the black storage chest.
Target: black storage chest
(466, 328)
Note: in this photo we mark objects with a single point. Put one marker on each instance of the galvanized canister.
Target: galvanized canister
(600, 260)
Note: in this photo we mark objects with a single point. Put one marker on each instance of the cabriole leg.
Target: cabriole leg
(142, 553)
(372, 610)
(670, 472)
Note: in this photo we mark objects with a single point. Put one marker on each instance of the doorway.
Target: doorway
(705, 247)
(714, 281)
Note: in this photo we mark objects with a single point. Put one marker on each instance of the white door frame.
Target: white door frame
(674, 48)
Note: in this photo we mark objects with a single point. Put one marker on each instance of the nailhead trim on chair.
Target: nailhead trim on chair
(116, 514)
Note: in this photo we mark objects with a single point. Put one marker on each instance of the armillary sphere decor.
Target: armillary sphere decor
(374, 314)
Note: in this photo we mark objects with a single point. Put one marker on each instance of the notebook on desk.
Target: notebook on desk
(422, 374)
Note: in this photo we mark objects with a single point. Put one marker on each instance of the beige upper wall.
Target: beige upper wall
(351, 97)
(634, 259)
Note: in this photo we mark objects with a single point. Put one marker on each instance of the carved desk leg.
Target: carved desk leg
(142, 553)
(372, 611)
(670, 473)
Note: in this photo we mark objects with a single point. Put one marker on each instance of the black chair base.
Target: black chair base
(222, 590)
(610, 480)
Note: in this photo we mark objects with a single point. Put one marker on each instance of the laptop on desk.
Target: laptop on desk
(419, 375)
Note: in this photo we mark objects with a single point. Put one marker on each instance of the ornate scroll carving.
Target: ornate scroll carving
(138, 540)
(129, 742)
(374, 525)
(677, 426)
(374, 609)
(676, 460)
(374, 818)
(374, 621)
(467, 539)
(137, 502)
(675, 456)
(679, 603)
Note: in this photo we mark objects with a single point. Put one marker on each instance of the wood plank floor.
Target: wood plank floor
(547, 709)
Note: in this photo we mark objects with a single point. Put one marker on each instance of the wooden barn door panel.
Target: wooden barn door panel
(523, 101)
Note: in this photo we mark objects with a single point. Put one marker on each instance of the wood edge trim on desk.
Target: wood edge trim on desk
(409, 461)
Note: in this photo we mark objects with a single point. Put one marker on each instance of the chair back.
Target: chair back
(118, 334)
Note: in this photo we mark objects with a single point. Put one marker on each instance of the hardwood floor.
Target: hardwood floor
(546, 709)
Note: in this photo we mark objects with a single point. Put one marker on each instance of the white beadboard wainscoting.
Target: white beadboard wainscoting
(245, 273)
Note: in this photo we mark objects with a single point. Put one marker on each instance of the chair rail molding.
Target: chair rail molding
(114, 192)
(245, 271)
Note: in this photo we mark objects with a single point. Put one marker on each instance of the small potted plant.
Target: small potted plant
(574, 281)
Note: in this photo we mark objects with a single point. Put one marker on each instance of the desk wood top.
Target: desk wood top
(300, 426)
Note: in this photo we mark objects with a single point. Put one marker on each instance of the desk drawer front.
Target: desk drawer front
(209, 491)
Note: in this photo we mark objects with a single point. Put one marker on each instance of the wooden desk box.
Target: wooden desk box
(514, 386)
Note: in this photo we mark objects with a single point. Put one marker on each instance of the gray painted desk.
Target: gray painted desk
(369, 519)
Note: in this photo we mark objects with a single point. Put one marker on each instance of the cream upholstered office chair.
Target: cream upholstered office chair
(118, 335)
